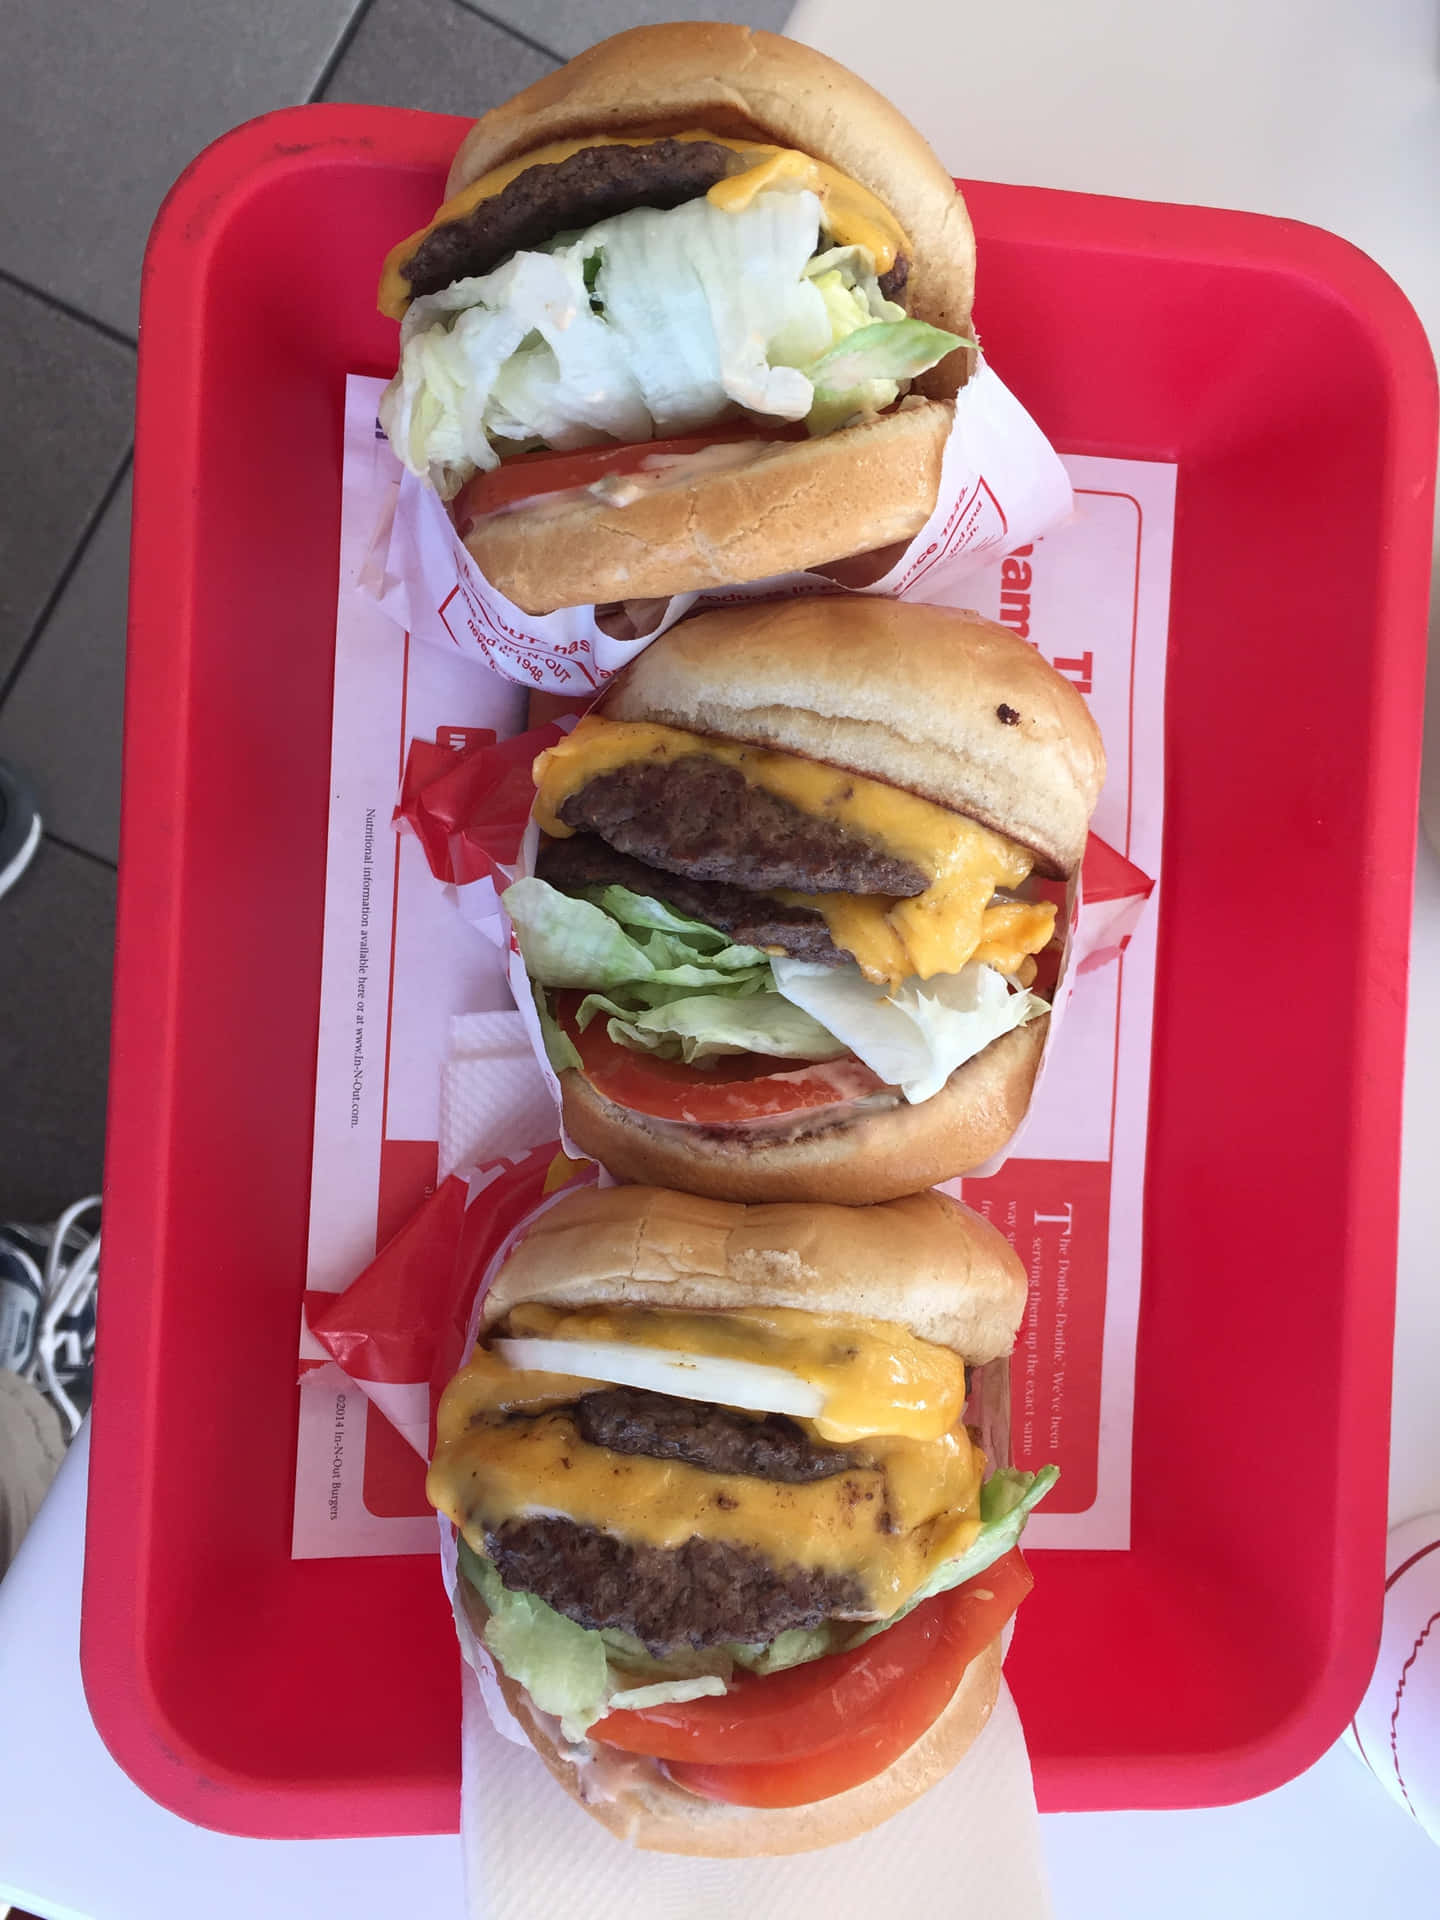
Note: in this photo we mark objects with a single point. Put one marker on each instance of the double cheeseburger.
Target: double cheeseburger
(694, 311)
(740, 1560)
(788, 926)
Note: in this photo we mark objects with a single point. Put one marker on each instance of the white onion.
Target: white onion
(687, 1376)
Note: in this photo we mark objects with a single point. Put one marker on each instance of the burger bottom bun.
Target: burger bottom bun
(802, 503)
(877, 1156)
(659, 1817)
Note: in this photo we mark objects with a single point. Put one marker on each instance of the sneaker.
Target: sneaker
(48, 1282)
(19, 827)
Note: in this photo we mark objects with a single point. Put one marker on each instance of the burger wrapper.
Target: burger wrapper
(1001, 485)
(413, 1315)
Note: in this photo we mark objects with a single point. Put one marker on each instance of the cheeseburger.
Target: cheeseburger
(740, 1561)
(787, 925)
(694, 311)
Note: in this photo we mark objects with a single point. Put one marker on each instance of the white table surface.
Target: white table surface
(1327, 110)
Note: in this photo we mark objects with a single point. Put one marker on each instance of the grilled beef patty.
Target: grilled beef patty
(595, 184)
(699, 1595)
(628, 1420)
(750, 919)
(702, 819)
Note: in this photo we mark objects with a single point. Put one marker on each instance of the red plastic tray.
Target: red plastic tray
(1291, 381)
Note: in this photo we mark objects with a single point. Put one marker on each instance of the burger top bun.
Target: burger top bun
(927, 1262)
(943, 703)
(652, 1813)
(751, 85)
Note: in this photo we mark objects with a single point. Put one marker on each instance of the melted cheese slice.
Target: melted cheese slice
(873, 1377)
(888, 1521)
(851, 213)
(937, 931)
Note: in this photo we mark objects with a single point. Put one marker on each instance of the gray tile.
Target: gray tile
(102, 104)
(571, 25)
(434, 54)
(69, 401)
(57, 931)
(61, 722)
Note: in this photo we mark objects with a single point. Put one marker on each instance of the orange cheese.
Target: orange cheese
(889, 1520)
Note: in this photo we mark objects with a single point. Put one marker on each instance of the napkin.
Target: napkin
(970, 1846)
(494, 1100)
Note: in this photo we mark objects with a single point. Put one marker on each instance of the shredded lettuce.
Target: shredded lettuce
(651, 323)
(578, 1674)
(915, 1035)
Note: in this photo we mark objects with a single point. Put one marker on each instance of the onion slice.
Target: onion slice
(686, 1376)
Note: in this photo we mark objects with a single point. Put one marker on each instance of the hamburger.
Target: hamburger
(733, 1520)
(791, 921)
(694, 311)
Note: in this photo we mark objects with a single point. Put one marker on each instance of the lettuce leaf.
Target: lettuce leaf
(704, 1026)
(561, 1666)
(667, 984)
(864, 370)
(568, 941)
(918, 1033)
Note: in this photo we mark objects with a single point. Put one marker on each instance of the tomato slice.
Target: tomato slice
(855, 1711)
(736, 1088)
(530, 474)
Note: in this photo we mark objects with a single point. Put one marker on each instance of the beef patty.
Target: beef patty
(702, 819)
(750, 919)
(699, 1595)
(628, 1420)
(595, 184)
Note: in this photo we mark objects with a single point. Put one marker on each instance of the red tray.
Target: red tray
(1291, 381)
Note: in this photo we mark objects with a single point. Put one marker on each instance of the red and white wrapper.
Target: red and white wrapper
(1001, 486)
(427, 1064)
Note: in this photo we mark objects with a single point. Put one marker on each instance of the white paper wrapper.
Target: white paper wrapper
(1001, 485)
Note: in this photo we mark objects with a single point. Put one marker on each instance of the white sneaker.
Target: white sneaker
(48, 1281)
(19, 827)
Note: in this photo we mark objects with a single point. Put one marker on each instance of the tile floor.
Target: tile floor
(102, 103)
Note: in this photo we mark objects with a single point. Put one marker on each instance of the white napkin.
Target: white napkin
(494, 1100)
(970, 1846)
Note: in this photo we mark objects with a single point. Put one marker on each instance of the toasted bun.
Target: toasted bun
(943, 703)
(926, 1263)
(854, 1163)
(750, 85)
(803, 504)
(652, 1813)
